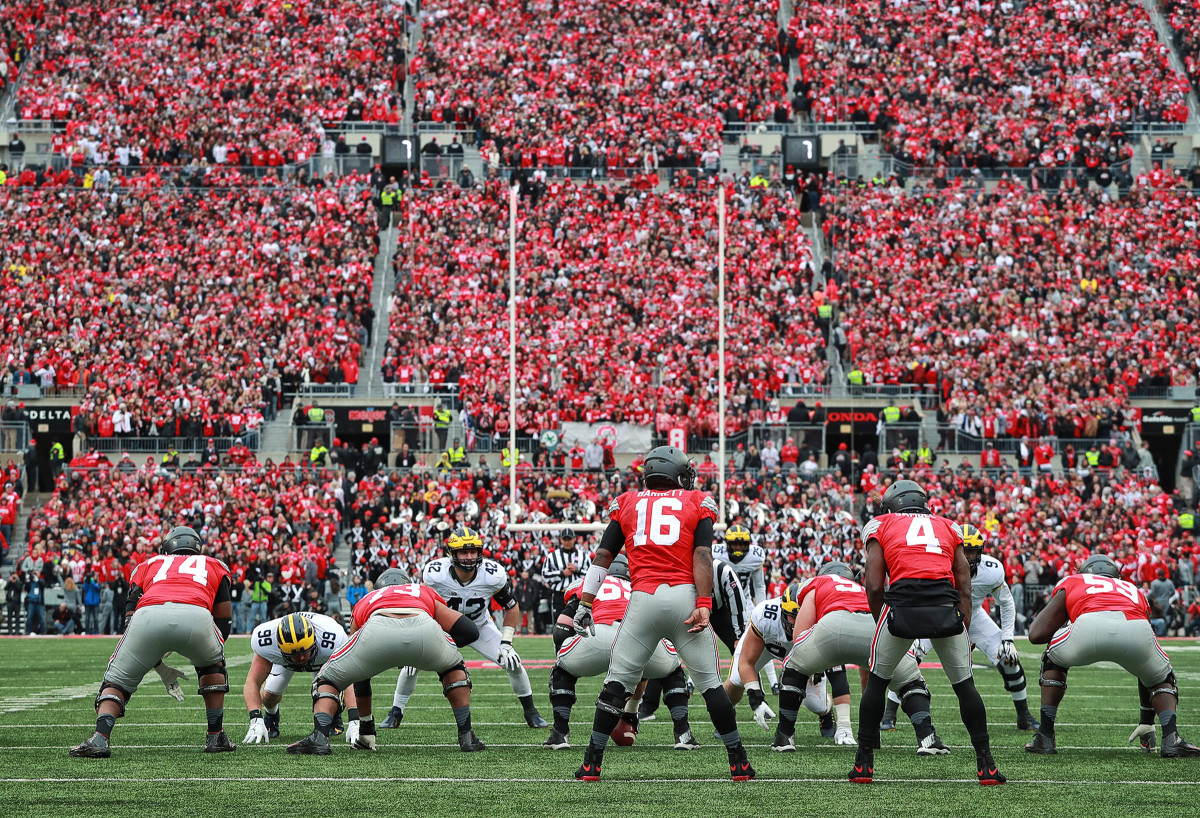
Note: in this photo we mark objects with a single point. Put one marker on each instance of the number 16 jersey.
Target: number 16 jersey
(915, 546)
(659, 529)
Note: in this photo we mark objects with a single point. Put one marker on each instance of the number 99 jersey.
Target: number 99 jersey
(915, 546)
(473, 598)
(331, 637)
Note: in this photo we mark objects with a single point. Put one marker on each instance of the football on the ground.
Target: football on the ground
(623, 734)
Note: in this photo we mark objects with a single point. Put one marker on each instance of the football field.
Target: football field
(158, 767)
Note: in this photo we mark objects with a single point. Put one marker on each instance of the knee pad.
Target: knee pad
(839, 685)
(1048, 665)
(318, 694)
(1167, 685)
(562, 685)
(211, 670)
(612, 698)
(1014, 680)
(447, 687)
(916, 687)
(121, 696)
(362, 689)
(675, 683)
(792, 681)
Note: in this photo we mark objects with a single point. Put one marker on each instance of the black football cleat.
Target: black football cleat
(828, 728)
(557, 741)
(314, 744)
(1026, 721)
(218, 743)
(338, 726)
(863, 771)
(394, 717)
(95, 747)
(468, 742)
(739, 765)
(988, 774)
(534, 719)
(1042, 744)
(783, 744)
(931, 745)
(589, 770)
(686, 741)
(272, 722)
(1176, 746)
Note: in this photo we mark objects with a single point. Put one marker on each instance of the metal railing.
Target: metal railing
(897, 435)
(14, 436)
(422, 437)
(302, 438)
(162, 445)
(954, 439)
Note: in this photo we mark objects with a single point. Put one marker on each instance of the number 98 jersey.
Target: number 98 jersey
(472, 599)
(331, 637)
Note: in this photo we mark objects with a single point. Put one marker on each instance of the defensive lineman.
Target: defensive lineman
(579, 657)
(399, 624)
(1095, 616)
(666, 530)
(469, 583)
(299, 642)
(178, 601)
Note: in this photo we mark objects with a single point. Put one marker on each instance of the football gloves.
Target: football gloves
(257, 734)
(583, 621)
(170, 678)
(762, 711)
(1008, 653)
(1144, 733)
(508, 658)
(352, 730)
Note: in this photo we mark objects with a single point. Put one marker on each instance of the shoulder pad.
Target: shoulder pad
(709, 503)
(869, 530)
(614, 506)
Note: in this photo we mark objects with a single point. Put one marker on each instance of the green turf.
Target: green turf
(158, 769)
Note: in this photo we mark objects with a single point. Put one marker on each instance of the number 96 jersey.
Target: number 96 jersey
(331, 637)
(767, 621)
(473, 598)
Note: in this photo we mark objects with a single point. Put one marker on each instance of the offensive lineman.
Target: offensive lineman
(399, 624)
(579, 657)
(666, 529)
(929, 598)
(298, 642)
(1095, 616)
(747, 561)
(468, 583)
(178, 601)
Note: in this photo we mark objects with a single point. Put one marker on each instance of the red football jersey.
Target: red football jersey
(190, 579)
(611, 600)
(659, 527)
(1088, 593)
(418, 597)
(834, 594)
(915, 546)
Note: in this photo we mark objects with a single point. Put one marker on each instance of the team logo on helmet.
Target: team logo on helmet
(737, 542)
(619, 567)
(972, 541)
(296, 639)
(463, 539)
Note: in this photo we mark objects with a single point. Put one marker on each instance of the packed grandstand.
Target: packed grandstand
(214, 261)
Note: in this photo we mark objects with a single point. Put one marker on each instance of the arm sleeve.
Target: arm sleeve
(464, 631)
(614, 538)
(703, 538)
(505, 596)
(131, 601)
(1008, 611)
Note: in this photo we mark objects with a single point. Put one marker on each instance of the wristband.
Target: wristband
(352, 713)
(593, 581)
(509, 630)
(704, 602)
(585, 604)
(255, 714)
(365, 720)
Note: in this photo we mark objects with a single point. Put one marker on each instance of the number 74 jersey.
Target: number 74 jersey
(189, 579)
(659, 529)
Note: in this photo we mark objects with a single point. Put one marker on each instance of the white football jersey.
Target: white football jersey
(749, 570)
(472, 599)
(331, 637)
(767, 621)
(988, 579)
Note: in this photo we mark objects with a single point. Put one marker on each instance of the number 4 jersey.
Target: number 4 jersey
(659, 528)
(474, 597)
(331, 637)
(915, 546)
(189, 579)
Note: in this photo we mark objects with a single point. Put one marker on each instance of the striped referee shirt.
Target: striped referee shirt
(557, 560)
(728, 594)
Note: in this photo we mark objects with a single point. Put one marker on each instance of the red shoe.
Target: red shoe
(863, 771)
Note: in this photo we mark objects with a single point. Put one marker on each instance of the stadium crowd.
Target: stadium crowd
(166, 302)
(623, 270)
(255, 84)
(596, 84)
(986, 85)
(1003, 292)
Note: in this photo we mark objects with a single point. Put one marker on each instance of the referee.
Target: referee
(561, 567)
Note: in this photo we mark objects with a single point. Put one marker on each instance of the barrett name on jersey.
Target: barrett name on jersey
(331, 637)
(472, 599)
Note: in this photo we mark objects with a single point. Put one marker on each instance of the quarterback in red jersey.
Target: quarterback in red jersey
(918, 585)
(1095, 616)
(178, 601)
(666, 532)
(399, 624)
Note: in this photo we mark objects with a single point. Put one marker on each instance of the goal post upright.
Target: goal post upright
(721, 353)
(512, 354)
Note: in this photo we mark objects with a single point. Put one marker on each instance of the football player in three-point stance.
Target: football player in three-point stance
(579, 657)
(666, 531)
(469, 583)
(399, 624)
(834, 627)
(178, 601)
(747, 561)
(1095, 616)
(299, 642)
(929, 597)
